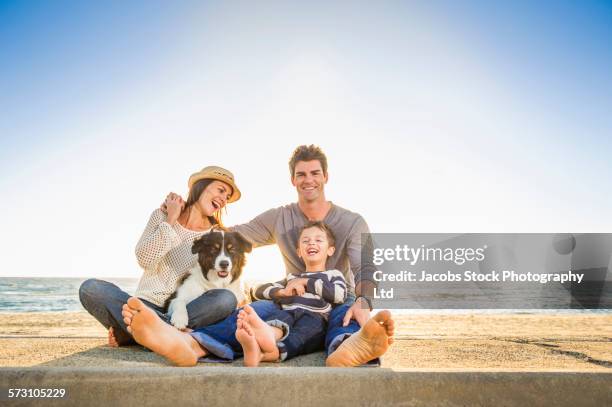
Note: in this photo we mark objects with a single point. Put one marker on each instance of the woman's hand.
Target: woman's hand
(174, 205)
(164, 206)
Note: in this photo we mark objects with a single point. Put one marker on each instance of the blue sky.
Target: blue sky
(436, 116)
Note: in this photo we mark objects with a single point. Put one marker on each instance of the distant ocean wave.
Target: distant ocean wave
(31, 294)
(27, 294)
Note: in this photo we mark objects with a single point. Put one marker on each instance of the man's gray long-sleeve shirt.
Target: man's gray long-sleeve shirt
(282, 226)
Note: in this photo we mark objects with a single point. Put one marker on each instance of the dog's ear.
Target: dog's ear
(198, 244)
(244, 244)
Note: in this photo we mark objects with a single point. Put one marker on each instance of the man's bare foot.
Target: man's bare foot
(150, 331)
(112, 341)
(370, 342)
(250, 347)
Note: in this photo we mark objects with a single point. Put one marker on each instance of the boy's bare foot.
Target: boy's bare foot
(265, 334)
(150, 331)
(250, 347)
(370, 342)
(112, 341)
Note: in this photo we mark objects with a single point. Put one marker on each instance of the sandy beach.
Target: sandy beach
(524, 342)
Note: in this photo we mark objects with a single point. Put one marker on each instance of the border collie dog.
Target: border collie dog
(221, 257)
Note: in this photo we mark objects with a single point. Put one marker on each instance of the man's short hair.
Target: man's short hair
(308, 153)
(322, 226)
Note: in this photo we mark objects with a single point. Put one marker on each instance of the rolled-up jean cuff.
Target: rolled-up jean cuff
(337, 341)
(282, 351)
(280, 325)
(213, 346)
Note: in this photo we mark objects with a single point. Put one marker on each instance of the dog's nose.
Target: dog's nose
(224, 264)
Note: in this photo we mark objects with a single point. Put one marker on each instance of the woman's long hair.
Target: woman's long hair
(194, 195)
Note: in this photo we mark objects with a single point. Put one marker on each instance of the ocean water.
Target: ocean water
(21, 294)
(30, 294)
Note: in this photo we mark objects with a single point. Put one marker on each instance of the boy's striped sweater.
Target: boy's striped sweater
(322, 290)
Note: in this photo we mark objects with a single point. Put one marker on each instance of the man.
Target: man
(308, 169)
(352, 337)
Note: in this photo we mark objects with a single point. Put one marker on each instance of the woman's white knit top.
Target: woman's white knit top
(164, 252)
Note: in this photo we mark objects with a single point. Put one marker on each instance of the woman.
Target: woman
(164, 252)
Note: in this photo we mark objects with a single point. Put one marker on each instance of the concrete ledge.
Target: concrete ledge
(201, 386)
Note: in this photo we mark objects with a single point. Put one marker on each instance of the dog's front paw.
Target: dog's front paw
(180, 318)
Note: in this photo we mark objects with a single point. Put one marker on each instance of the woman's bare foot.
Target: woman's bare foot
(112, 341)
(370, 342)
(250, 347)
(265, 334)
(150, 331)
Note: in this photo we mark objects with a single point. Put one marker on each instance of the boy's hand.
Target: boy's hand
(283, 292)
(297, 285)
(299, 290)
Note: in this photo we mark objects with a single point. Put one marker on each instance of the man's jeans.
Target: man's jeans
(336, 333)
(220, 339)
(303, 331)
(104, 301)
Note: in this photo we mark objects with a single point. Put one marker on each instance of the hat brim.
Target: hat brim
(236, 194)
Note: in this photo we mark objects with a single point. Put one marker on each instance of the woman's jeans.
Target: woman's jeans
(105, 300)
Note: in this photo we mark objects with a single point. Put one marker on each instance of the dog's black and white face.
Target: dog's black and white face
(221, 254)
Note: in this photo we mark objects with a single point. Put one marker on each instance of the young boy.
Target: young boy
(305, 299)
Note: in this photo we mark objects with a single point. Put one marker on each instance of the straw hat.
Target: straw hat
(220, 174)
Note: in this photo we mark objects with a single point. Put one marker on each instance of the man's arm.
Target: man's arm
(362, 266)
(360, 258)
(260, 230)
